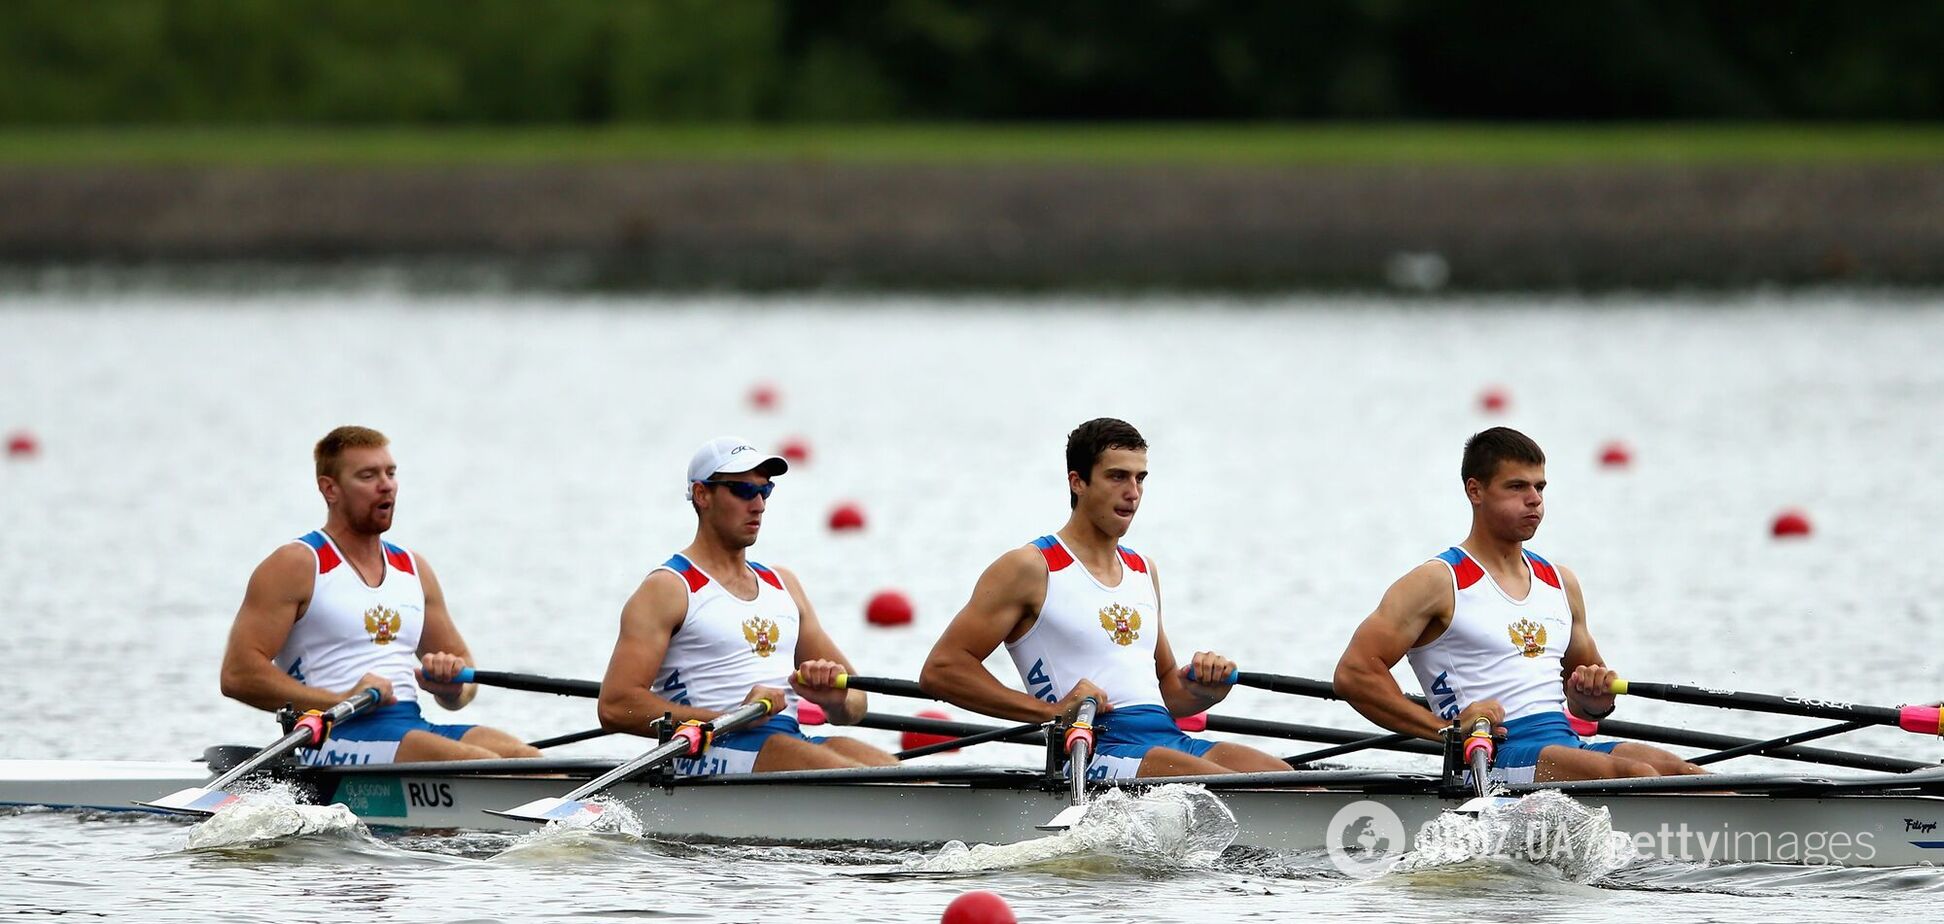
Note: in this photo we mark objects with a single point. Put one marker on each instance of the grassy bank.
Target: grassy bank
(1120, 144)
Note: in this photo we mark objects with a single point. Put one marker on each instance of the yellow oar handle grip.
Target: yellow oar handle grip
(1619, 687)
(843, 680)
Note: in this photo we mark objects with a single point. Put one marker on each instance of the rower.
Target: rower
(710, 630)
(1491, 629)
(340, 610)
(1081, 617)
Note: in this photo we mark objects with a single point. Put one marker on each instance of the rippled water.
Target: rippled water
(1304, 455)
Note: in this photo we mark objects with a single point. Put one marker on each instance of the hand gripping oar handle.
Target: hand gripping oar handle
(1923, 720)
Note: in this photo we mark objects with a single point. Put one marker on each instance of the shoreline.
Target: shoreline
(1030, 227)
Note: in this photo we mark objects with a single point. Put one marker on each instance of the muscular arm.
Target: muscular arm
(441, 636)
(648, 621)
(814, 644)
(278, 591)
(1595, 699)
(1363, 675)
(1181, 695)
(1009, 591)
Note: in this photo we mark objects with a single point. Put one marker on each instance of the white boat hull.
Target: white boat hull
(1002, 806)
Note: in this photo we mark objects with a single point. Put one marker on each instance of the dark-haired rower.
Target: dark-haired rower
(1494, 631)
(1081, 616)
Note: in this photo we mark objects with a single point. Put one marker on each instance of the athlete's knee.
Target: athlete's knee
(1634, 768)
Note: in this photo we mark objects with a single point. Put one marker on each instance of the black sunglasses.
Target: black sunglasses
(745, 490)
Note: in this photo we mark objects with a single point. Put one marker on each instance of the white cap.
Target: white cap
(729, 455)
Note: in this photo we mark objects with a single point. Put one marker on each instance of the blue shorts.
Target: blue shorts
(372, 738)
(1126, 735)
(1518, 758)
(736, 751)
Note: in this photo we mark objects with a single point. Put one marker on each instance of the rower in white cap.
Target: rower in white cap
(710, 630)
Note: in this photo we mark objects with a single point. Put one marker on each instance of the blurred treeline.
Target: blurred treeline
(606, 61)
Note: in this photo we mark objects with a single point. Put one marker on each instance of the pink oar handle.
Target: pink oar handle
(1480, 739)
(1924, 720)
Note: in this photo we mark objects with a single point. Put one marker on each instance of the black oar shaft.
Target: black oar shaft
(1761, 702)
(1296, 732)
(1637, 731)
(1016, 734)
(1380, 742)
(1763, 747)
(533, 683)
(886, 685)
(570, 738)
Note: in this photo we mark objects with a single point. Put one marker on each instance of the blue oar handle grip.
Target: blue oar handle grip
(1230, 679)
(465, 675)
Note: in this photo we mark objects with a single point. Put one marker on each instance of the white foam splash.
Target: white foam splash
(580, 834)
(1548, 830)
(1170, 827)
(269, 815)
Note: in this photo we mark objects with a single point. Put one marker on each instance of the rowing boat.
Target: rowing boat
(1850, 820)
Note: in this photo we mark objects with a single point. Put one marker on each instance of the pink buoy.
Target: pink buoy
(796, 449)
(978, 907)
(22, 445)
(917, 739)
(845, 517)
(762, 396)
(1789, 524)
(1615, 454)
(888, 608)
(1493, 400)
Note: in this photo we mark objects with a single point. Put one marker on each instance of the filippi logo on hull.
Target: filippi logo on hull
(1365, 838)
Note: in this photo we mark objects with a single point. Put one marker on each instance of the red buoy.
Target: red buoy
(796, 449)
(1790, 523)
(1193, 723)
(846, 516)
(1615, 454)
(915, 739)
(1493, 400)
(22, 445)
(978, 907)
(763, 396)
(809, 713)
(888, 608)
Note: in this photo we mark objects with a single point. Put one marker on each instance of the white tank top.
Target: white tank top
(1092, 631)
(351, 629)
(1497, 647)
(726, 644)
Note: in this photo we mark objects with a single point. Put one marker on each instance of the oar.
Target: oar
(532, 683)
(691, 739)
(1763, 747)
(886, 685)
(1079, 749)
(559, 740)
(1380, 742)
(1922, 720)
(310, 731)
(953, 744)
(1638, 731)
(1479, 751)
